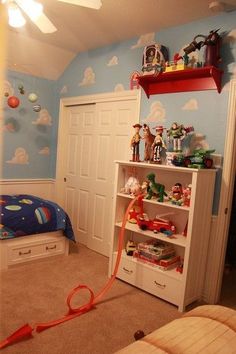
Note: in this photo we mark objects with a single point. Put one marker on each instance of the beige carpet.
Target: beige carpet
(36, 292)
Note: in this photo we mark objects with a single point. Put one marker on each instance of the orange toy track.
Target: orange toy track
(27, 330)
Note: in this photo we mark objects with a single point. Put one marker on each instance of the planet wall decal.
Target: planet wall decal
(13, 101)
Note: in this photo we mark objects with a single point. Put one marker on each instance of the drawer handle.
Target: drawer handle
(127, 270)
(22, 253)
(51, 248)
(162, 286)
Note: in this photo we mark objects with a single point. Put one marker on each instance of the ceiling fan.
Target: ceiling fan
(34, 10)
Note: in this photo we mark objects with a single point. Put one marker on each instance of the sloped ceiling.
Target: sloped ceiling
(81, 29)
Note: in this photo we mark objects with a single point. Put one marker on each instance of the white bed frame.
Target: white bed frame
(32, 247)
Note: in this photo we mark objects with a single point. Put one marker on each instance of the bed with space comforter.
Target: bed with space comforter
(24, 214)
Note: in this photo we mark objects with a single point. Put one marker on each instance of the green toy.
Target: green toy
(155, 188)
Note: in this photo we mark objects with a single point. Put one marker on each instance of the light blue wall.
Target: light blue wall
(209, 117)
(27, 135)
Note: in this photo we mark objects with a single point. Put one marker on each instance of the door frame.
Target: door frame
(216, 266)
(133, 95)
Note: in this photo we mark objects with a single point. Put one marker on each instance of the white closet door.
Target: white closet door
(95, 136)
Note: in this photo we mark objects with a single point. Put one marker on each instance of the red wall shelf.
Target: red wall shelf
(206, 78)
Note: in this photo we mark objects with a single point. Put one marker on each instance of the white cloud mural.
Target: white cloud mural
(89, 77)
(113, 61)
(64, 90)
(45, 151)
(191, 105)
(157, 113)
(44, 118)
(231, 37)
(198, 142)
(144, 39)
(20, 157)
(119, 87)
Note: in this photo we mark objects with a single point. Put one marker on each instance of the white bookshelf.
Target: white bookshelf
(170, 285)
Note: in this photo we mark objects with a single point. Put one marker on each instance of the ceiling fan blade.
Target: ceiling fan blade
(44, 24)
(39, 19)
(93, 4)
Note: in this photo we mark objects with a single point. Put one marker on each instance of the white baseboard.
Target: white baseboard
(44, 188)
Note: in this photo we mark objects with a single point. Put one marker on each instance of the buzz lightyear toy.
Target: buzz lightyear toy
(176, 134)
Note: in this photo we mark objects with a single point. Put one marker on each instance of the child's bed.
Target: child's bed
(31, 228)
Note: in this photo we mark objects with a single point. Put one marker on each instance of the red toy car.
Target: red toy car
(156, 225)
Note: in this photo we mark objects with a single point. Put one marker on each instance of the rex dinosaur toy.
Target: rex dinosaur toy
(155, 189)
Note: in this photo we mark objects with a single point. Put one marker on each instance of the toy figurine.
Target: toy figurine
(187, 195)
(154, 58)
(177, 133)
(130, 248)
(135, 143)
(155, 188)
(132, 184)
(158, 144)
(148, 137)
(212, 43)
(176, 194)
(133, 214)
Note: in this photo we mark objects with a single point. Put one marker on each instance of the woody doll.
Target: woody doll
(134, 144)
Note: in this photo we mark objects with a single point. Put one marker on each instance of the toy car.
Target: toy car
(156, 225)
(199, 159)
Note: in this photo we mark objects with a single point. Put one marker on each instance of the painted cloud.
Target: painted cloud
(191, 105)
(113, 61)
(44, 118)
(89, 77)
(144, 39)
(119, 87)
(20, 157)
(231, 37)
(157, 113)
(45, 151)
(198, 142)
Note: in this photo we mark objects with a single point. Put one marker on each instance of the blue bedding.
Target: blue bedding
(26, 215)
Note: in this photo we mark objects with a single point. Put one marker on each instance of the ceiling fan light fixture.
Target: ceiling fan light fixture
(15, 17)
(93, 4)
(32, 8)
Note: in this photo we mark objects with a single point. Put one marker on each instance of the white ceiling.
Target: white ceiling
(81, 29)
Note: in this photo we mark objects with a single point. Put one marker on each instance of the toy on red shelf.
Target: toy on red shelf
(176, 194)
(187, 195)
(148, 138)
(212, 43)
(158, 144)
(135, 141)
(154, 58)
(156, 225)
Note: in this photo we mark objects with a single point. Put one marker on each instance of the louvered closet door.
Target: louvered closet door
(96, 136)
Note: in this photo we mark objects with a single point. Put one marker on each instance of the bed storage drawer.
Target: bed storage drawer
(29, 248)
